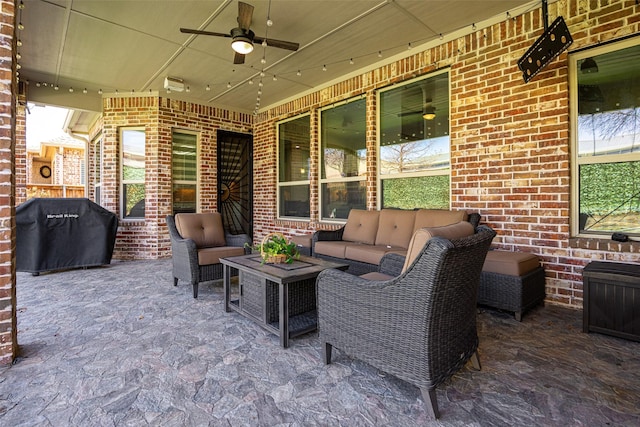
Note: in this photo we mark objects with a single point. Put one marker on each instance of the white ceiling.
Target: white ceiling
(133, 45)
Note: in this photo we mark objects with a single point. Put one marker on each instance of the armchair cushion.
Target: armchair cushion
(423, 235)
(361, 226)
(207, 256)
(205, 229)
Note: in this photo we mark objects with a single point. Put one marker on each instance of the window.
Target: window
(342, 159)
(414, 149)
(605, 98)
(132, 171)
(184, 171)
(294, 161)
(97, 178)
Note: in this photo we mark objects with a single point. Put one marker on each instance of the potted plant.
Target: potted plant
(275, 249)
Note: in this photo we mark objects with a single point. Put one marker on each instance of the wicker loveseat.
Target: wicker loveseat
(198, 241)
(419, 326)
(369, 235)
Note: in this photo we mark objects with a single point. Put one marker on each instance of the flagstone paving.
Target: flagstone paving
(121, 346)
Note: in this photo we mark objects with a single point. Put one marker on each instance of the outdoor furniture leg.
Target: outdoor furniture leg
(431, 402)
(475, 361)
(326, 352)
(284, 315)
(195, 290)
(226, 279)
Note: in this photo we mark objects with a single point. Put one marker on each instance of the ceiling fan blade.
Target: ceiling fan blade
(203, 33)
(245, 13)
(238, 58)
(408, 113)
(282, 44)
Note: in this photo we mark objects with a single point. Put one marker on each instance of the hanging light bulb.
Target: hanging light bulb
(70, 90)
(269, 22)
(99, 91)
(84, 90)
(208, 88)
(275, 79)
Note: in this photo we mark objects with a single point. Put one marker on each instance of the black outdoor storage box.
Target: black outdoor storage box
(612, 299)
(56, 234)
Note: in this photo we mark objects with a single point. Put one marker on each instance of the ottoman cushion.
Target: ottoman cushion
(510, 263)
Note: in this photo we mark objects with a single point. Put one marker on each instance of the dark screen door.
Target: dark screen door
(235, 172)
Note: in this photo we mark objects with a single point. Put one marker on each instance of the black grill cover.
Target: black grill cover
(55, 234)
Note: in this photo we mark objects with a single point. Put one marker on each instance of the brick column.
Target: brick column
(8, 90)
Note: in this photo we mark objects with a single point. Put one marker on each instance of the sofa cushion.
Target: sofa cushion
(437, 218)
(423, 235)
(205, 229)
(333, 248)
(370, 254)
(361, 226)
(208, 256)
(395, 227)
(510, 263)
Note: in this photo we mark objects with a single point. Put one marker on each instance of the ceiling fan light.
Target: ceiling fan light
(242, 41)
(429, 113)
(242, 46)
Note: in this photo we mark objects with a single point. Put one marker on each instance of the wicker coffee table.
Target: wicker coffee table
(279, 297)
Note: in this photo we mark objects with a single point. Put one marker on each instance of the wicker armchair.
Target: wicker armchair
(197, 248)
(419, 326)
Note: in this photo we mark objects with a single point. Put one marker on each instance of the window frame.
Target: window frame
(124, 182)
(97, 184)
(321, 181)
(416, 174)
(197, 182)
(279, 184)
(575, 159)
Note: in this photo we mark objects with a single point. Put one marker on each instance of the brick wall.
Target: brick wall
(8, 97)
(509, 139)
(149, 238)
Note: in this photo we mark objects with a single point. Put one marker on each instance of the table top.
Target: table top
(302, 268)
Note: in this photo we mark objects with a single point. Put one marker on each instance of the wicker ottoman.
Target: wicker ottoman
(511, 281)
(303, 243)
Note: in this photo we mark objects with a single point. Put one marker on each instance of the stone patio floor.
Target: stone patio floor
(120, 346)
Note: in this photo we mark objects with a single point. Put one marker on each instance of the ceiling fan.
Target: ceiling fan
(242, 36)
(428, 111)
